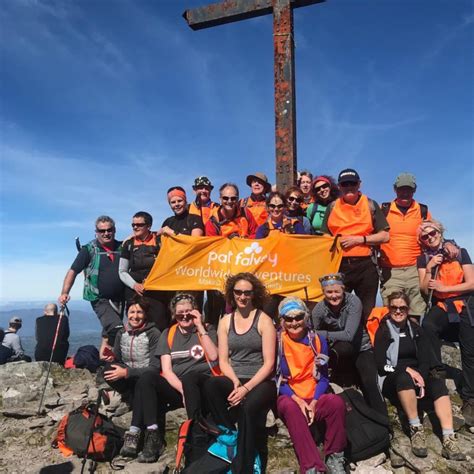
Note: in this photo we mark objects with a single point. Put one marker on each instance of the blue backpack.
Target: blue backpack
(87, 357)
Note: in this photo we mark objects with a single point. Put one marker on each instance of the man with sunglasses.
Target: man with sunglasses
(361, 225)
(99, 259)
(203, 206)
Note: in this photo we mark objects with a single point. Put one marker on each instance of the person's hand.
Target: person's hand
(115, 373)
(312, 411)
(434, 262)
(63, 299)
(416, 377)
(167, 231)
(350, 241)
(138, 287)
(237, 395)
(436, 285)
(304, 407)
(197, 318)
(105, 352)
(452, 250)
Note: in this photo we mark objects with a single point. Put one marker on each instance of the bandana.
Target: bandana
(332, 279)
(176, 192)
(290, 306)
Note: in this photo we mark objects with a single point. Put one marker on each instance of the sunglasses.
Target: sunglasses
(294, 199)
(110, 230)
(183, 316)
(289, 319)
(138, 224)
(428, 235)
(243, 292)
(401, 309)
(320, 188)
(347, 184)
(276, 206)
(229, 198)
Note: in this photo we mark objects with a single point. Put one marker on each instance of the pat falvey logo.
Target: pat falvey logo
(252, 255)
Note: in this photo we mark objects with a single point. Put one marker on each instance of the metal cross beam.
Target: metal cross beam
(229, 11)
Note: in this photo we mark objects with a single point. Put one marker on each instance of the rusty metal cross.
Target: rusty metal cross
(228, 11)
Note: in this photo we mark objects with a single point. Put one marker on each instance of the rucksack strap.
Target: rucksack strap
(182, 435)
(385, 208)
(424, 211)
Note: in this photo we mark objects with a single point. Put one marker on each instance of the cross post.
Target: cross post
(229, 11)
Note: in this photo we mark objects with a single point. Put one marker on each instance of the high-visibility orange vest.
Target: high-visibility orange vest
(450, 273)
(374, 320)
(348, 219)
(204, 212)
(257, 208)
(403, 248)
(239, 225)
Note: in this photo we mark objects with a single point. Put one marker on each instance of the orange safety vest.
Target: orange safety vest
(239, 225)
(213, 365)
(204, 212)
(257, 208)
(373, 321)
(348, 219)
(286, 227)
(300, 360)
(403, 248)
(450, 274)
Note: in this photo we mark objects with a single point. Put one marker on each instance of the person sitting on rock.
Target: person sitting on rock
(403, 357)
(12, 341)
(5, 352)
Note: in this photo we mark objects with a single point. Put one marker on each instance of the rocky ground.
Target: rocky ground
(25, 436)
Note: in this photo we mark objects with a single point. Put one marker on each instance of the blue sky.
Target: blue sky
(106, 104)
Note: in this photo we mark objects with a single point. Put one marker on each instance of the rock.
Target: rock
(451, 356)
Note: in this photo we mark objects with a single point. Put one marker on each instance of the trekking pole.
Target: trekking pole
(62, 310)
(429, 303)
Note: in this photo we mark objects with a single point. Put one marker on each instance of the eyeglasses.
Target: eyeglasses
(347, 184)
(289, 319)
(186, 316)
(229, 198)
(138, 224)
(243, 292)
(428, 235)
(320, 188)
(294, 199)
(401, 309)
(276, 206)
(110, 230)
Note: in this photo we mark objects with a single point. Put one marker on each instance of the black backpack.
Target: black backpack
(87, 357)
(368, 432)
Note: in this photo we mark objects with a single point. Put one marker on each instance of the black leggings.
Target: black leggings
(193, 383)
(250, 416)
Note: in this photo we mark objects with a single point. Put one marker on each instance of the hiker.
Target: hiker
(5, 352)
(11, 340)
(230, 220)
(203, 206)
(294, 199)
(324, 191)
(449, 284)
(136, 260)
(338, 318)
(99, 259)
(304, 180)
(255, 203)
(362, 226)
(245, 392)
(182, 222)
(402, 353)
(46, 327)
(302, 376)
(182, 351)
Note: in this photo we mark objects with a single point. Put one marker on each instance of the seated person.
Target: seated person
(302, 382)
(338, 319)
(5, 352)
(46, 327)
(12, 341)
(402, 353)
(186, 351)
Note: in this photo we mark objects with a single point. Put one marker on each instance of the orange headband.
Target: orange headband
(176, 192)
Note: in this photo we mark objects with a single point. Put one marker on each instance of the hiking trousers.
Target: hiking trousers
(110, 317)
(330, 410)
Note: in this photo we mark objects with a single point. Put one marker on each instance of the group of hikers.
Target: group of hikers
(276, 353)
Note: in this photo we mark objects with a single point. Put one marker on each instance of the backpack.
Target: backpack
(368, 432)
(423, 209)
(87, 357)
(376, 316)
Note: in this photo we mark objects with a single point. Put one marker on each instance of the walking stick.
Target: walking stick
(429, 303)
(64, 309)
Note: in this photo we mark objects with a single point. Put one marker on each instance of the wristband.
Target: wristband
(245, 388)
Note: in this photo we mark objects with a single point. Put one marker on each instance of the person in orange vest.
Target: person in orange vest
(230, 220)
(361, 225)
(255, 203)
(305, 178)
(449, 283)
(203, 206)
(302, 383)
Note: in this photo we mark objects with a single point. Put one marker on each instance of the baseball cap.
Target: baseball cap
(405, 179)
(348, 175)
(202, 181)
(15, 320)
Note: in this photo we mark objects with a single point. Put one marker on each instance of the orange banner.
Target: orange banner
(287, 264)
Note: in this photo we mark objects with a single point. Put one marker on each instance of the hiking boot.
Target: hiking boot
(130, 444)
(418, 441)
(153, 448)
(396, 460)
(335, 463)
(451, 448)
(468, 411)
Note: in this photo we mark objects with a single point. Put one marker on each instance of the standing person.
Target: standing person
(11, 340)
(449, 284)
(255, 203)
(305, 178)
(46, 326)
(302, 392)
(99, 259)
(245, 392)
(325, 191)
(362, 226)
(294, 199)
(182, 222)
(338, 318)
(136, 260)
(402, 354)
(203, 206)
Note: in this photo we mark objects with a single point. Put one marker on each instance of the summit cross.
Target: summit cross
(229, 11)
